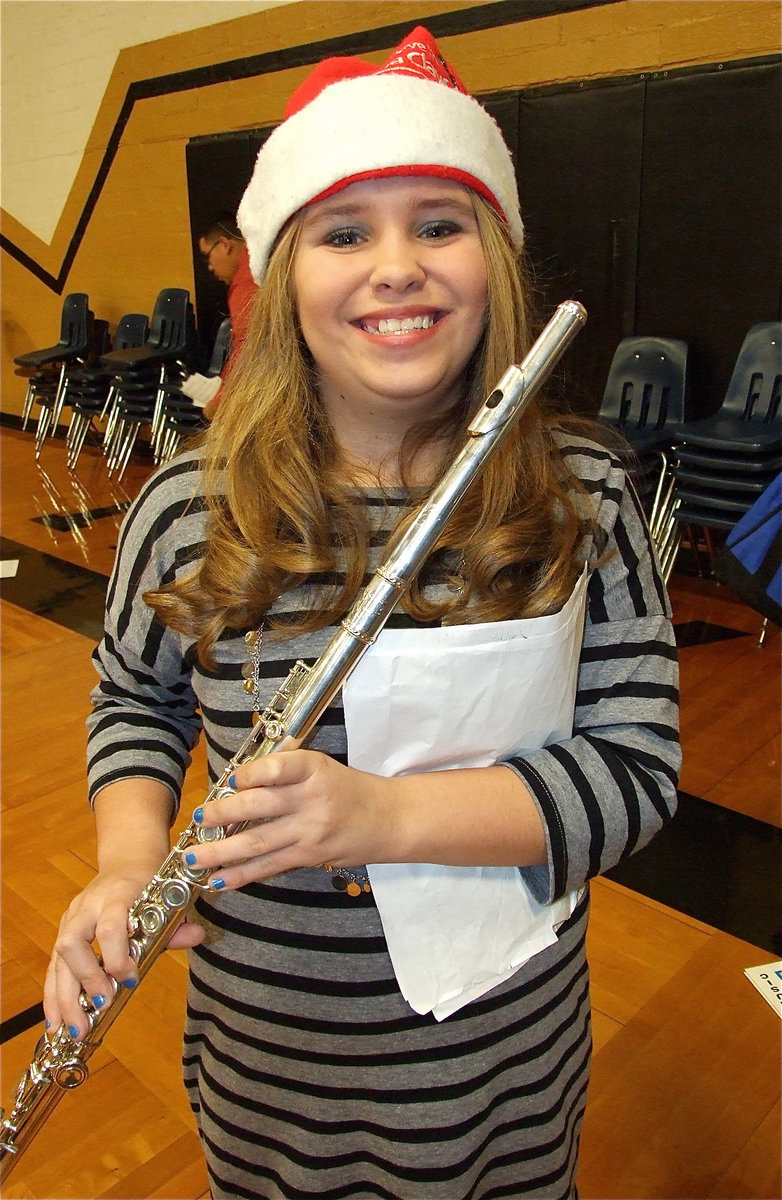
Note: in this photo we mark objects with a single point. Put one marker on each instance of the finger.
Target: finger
(280, 769)
(252, 807)
(111, 932)
(239, 804)
(51, 1001)
(229, 878)
(69, 989)
(189, 933)
(264, 836)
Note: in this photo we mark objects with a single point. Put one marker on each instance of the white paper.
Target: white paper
(8, 568)
(462, 696)
(768, 980)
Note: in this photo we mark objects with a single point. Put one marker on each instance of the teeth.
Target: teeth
(391, 325)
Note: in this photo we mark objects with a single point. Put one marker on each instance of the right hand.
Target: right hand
(99, 913)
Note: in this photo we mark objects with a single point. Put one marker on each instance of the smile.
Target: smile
(393, 326)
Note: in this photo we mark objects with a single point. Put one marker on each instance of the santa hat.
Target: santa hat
(350, 121)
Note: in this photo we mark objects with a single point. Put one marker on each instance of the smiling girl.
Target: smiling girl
(388, 989)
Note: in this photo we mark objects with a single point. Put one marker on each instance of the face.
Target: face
(391, 288)
(220, 257)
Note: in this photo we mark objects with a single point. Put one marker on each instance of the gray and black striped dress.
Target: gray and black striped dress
(308, 1073)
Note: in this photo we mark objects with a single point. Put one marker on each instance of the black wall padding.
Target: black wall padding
(579, 171)
(709, 245)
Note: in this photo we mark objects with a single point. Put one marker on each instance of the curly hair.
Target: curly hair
(283, 507)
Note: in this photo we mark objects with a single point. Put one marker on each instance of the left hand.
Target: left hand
(313, 809)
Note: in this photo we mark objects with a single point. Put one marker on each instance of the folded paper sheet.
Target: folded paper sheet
(462, 696)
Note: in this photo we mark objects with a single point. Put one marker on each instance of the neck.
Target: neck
(370, 440)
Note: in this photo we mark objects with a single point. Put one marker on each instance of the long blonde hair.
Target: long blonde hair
(282, 507)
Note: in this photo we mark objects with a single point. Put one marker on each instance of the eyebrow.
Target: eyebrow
(345, 209)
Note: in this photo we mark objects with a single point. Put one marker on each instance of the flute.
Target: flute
(59, 1063)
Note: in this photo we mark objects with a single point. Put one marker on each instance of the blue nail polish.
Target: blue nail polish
(232, 782)
(190, 859)
(217, 884)
(198, 814)
(73, 1031)
(129, 983)
(48, 1024)
(98, 1001)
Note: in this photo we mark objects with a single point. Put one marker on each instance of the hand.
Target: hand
(99, 913)
(312, 810)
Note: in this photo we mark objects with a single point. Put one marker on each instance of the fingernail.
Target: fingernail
(190, 859)
(47, 1024)
(98, 1001)
(73, 1031)
(198, 814)
(232, 782)
(217, 884)
(129, 983)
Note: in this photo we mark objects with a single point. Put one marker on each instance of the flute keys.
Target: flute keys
(194, 874)
(70, 1075)
(215, 834)
(175, 893)
(152, 918)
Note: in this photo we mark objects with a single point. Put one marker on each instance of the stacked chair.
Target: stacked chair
(50, 366)
(180, 417)
(646, 399)
(140, 375)
(723, 463)
(89, 390)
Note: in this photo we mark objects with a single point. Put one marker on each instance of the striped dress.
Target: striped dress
(308, 1073)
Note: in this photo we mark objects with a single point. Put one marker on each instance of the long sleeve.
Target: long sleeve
(145, 720)
(607, 790)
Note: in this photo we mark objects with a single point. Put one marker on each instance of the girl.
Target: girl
(417, 1027)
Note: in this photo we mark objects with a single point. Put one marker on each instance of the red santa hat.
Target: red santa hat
(350, 121)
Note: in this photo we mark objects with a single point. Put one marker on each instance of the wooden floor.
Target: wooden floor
(685, 1094)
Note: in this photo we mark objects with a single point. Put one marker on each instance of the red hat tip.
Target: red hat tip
(417, 56)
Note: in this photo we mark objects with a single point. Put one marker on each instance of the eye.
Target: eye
(436, 230)
(346, 236)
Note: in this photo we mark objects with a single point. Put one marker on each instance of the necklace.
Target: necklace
(350, 882)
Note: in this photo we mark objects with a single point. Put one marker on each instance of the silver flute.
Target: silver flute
(60, 1062)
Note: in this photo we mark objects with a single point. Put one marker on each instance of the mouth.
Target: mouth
(396, 326)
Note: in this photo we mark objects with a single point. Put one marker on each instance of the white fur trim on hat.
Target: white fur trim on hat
(372, 123)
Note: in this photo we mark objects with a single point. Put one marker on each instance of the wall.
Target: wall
(124, 229)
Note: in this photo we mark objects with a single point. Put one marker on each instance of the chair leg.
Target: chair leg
(115, 434)
(27, 407)
(59, 399)
(127, 448)
(662, 498)
(42, 429)
(77, 435)
(669, 549)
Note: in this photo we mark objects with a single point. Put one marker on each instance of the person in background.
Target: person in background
(392, 995)
(225, 254)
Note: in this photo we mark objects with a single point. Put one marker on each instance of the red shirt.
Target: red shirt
(241, 290)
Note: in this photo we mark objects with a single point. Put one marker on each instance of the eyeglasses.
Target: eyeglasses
(212, 248)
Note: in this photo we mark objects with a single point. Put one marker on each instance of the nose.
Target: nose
(397, 265)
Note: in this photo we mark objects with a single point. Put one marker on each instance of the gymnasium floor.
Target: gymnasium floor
(685, 1095)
